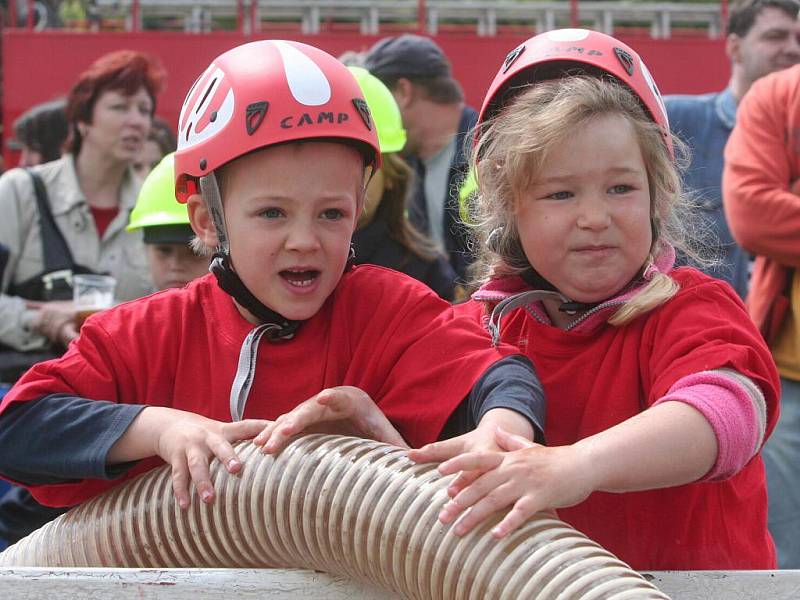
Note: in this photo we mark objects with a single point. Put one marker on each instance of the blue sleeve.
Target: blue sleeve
(509, 383)
(61, 438)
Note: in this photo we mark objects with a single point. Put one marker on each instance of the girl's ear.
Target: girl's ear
(200, 220)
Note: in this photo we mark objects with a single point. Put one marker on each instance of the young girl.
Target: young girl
(660, 390)
(276, 145)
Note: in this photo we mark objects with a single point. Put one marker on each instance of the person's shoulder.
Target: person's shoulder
(371, 283)
(689, 101)
(162, 310)
(16, 179)
(474, 309)
(16, 192)
(689, 277)
(699, 290)
(685, 106)
(368, 276)
(780, 89)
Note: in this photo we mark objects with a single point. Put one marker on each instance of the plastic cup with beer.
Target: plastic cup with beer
(91, 294)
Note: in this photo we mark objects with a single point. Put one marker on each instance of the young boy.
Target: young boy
(275, 149)
(166, 231)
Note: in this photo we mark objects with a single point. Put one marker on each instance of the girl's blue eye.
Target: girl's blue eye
(563, 195)
(620, 189)
(333, 214)
(271, 213)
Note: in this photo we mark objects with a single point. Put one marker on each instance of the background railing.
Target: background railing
(372, 17)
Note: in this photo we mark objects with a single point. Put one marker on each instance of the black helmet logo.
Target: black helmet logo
(363, 112)
(512, 57)
(255, 115)
(625, 59)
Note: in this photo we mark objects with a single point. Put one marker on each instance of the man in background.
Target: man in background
(761, 190)
(437, 122)
(763, 37)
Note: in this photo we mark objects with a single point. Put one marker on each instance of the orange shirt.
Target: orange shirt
(762, 168)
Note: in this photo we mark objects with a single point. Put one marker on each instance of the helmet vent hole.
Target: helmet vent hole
(205, 96)
(203, 164)
(254, 115)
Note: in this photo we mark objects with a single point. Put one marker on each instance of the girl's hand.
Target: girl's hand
(188, 444)
(481, 439)
(344, 410)
(524, 475)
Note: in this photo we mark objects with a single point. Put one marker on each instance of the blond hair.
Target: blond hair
(513, 147)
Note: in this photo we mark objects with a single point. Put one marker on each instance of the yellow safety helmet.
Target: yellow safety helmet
(384, 109)
(163, 219)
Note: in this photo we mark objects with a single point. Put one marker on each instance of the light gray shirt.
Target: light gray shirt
(437, 181)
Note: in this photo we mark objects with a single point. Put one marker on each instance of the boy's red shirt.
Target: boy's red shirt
(380, 331)
(596, 379)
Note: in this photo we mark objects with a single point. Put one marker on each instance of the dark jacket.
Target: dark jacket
(455, 233)
(374, 246)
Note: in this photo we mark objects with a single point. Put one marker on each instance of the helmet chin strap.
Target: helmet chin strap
(229, 280)
(532, 277)
(567, 306)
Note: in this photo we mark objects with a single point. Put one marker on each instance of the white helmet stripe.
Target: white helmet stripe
(188, 135)
(652, 83)
(306, 80)
(186, 109)
(568, 35)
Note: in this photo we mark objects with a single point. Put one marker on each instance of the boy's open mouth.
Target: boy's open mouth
(300, 278)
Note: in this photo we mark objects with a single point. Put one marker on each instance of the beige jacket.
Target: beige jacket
(119, 253)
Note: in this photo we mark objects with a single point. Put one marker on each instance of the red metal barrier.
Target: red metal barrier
(37, 68)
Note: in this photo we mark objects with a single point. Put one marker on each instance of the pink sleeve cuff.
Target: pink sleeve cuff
(735, 409)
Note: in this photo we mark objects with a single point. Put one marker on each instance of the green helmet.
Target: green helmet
(466, 195)
(156, 204)
(384, 109)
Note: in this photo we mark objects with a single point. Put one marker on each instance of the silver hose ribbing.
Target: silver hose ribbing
(342, 505)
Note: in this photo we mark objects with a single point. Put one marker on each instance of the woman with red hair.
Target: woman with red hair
(69, 216)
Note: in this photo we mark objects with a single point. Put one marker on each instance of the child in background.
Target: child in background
(385, 236)
(276, 148)
(660, 390)
(167, 234)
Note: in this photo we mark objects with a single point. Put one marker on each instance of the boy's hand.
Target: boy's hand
(527, 476)
(344, 410)
(189, 442)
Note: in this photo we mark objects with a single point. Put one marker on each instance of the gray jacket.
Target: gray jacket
(119, 253)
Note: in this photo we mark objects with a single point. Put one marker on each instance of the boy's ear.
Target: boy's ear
(200, 220)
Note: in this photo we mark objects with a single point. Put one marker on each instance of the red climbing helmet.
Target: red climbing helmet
(552, 54)
(265, 93)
